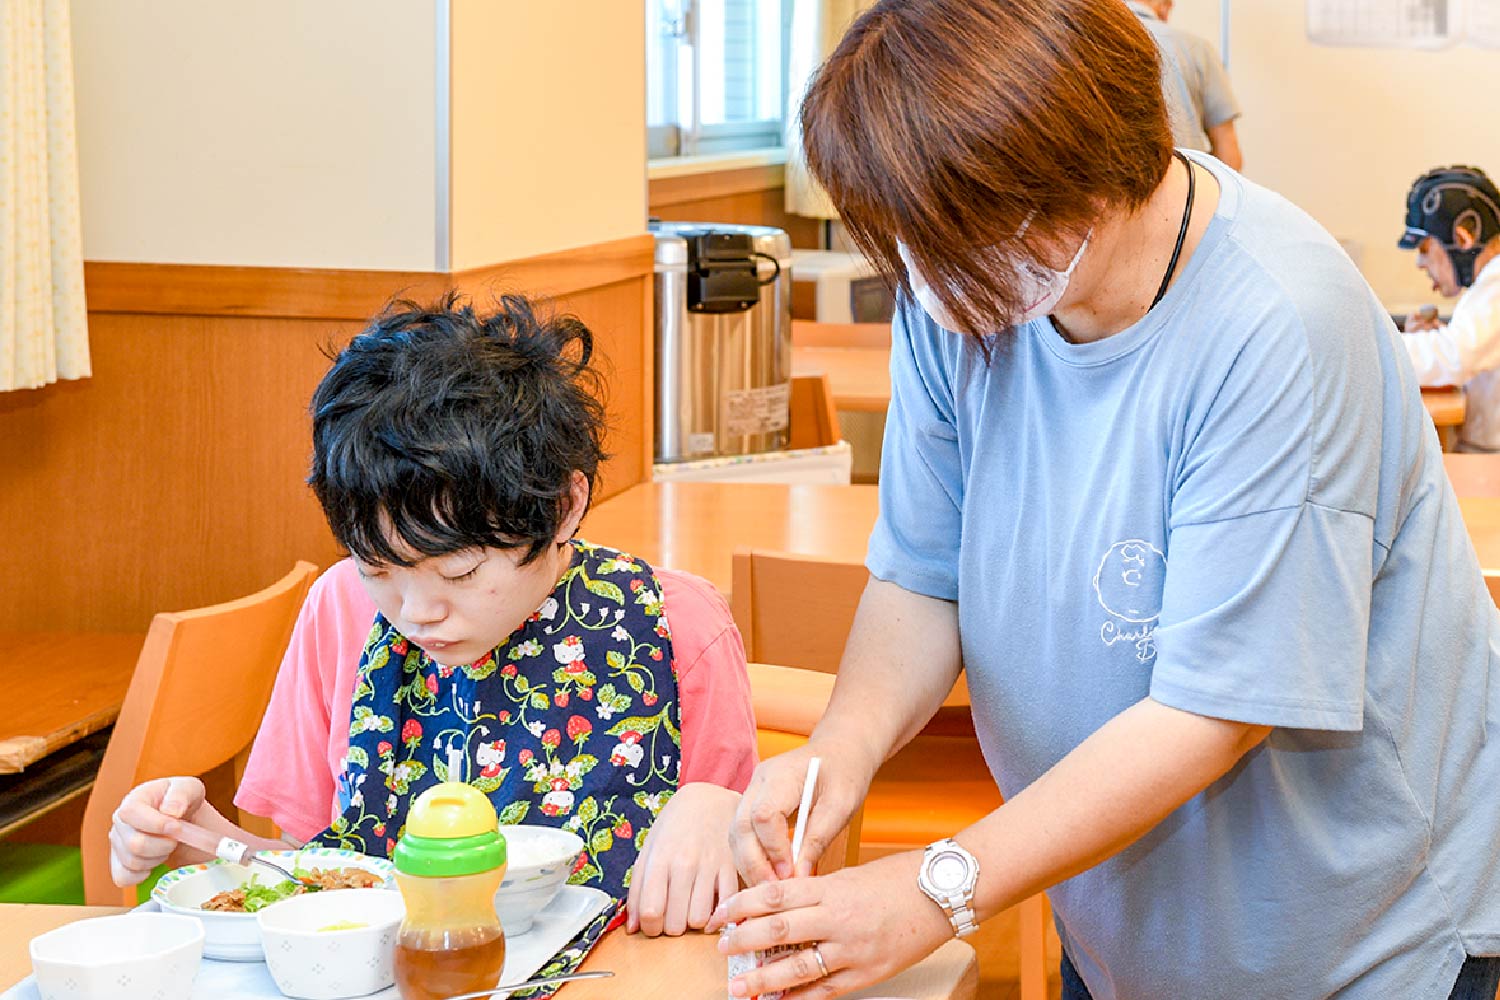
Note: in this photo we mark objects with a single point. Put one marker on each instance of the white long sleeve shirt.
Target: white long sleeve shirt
(1466, 351)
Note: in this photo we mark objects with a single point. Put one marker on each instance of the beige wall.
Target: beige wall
(1343, 132)
(272, 133)
(548, 125)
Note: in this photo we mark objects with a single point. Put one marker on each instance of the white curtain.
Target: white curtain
(817, 26)
(43, 319)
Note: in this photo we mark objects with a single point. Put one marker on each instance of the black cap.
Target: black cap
(1442, 199)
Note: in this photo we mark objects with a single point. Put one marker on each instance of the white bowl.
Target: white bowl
(134, 956)
(310, 963)
(539, 860)
(235, 937)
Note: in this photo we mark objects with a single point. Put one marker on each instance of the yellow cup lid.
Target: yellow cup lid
(449, 811)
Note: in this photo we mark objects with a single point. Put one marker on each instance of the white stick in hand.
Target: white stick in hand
(809, 784)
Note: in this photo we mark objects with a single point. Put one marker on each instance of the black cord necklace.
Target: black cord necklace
(1187, 217)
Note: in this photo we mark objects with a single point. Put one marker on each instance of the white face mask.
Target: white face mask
(1041, 287)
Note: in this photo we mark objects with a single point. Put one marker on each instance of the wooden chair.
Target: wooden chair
(814, 421)
(798, 610)
(200, 687)
(1492, 581)
(788, 703)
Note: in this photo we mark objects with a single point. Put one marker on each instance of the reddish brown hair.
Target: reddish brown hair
(946, 124)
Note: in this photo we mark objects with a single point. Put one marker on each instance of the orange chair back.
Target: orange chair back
(195, 702)
(814, 420)
(1492, 581)
(800, 609)
(788, 703)
(795, 609)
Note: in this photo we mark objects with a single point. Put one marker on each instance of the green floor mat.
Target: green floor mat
(47, 873)
(40, 873)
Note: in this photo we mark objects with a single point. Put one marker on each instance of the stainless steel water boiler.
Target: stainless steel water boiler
(723, 339)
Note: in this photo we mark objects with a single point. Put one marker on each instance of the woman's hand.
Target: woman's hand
(147, 828)
(685, 868)
(869, 922)
(762, 848)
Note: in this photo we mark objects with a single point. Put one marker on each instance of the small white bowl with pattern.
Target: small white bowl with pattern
(538, 861)
(334, 944)
(133, 956)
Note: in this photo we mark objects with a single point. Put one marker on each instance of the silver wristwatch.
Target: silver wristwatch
(948, 876)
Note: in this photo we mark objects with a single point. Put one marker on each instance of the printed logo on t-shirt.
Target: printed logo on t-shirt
(1129, 584)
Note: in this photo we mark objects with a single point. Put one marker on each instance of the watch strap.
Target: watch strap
(960, 915)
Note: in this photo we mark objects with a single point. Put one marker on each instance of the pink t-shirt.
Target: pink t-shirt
(300, 748)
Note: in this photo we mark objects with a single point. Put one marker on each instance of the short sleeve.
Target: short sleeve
(1219, 104)
(915, 543)
(1265, 618)
(1266, 602)
(718, 715)
(289, 777)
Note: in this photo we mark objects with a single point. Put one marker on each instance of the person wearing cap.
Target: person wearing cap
(1200, 102)
(1453, 222)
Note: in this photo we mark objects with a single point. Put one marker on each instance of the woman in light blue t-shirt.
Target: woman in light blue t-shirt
(1158, 477)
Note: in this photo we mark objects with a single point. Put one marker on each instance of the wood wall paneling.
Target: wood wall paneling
(753, 196)
(174, 477)
(298, 293)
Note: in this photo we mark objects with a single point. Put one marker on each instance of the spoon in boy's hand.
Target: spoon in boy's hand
(226, 848)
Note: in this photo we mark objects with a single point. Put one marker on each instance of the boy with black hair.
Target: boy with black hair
(454, 456)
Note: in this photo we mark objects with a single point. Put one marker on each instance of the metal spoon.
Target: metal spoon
(252, 858)
(228, 849)
(528, 984)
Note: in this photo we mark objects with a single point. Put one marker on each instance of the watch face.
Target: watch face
(948, 872)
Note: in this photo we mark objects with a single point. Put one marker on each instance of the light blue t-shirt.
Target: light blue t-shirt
(1236, 506)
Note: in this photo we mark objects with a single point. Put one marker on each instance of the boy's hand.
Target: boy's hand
(685, 869)
(146, 830)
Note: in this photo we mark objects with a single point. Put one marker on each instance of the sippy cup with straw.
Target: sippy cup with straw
(449, 862)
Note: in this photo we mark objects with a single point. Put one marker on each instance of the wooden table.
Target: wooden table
(20, 922)
(1474, 475)
(691, 968)
(859, 377)
(1482, 519)
(1476, 480)
(697, 526)
(74, 685)
(685, 968)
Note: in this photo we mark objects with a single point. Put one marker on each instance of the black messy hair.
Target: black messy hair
(441, 429)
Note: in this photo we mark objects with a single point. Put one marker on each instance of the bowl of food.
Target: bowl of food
(133, 956)
(332, 945)
(538, 861)
(226, 897)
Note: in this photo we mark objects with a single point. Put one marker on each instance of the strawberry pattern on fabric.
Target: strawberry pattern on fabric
(573, 722)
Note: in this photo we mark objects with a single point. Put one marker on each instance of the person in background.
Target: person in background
(454, 455)
(1200, 103)
(1453, 222)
